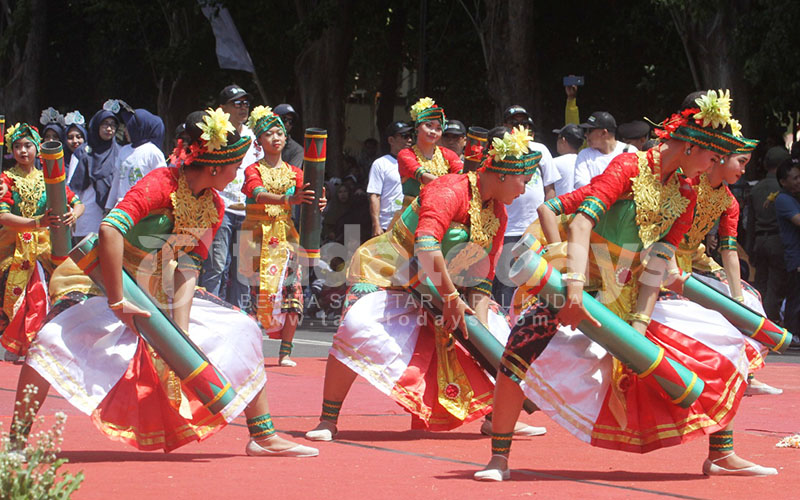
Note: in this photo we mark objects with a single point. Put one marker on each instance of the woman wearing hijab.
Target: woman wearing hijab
(92, 169)
(74, 134)
(51, 121)
(146, 131)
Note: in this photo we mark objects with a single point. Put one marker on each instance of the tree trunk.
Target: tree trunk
(392, 65)
(19, 94)
(321, 71)
(510, 60)
(711, 45)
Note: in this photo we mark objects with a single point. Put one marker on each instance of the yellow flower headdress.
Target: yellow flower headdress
(215, 126)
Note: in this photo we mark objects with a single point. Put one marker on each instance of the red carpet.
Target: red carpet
(375, 455)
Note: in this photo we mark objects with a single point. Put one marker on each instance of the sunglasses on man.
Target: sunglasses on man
(241, 103)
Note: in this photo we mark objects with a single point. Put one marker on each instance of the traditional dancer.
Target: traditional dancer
(717, 205)
(388, 338)
(269, 259)
(25, 241)
(90, 351)
(640, 203)
(425, 161)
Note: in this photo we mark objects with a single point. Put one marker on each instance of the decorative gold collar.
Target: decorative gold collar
(437, 165)
(30, 187)
(482, 221)
(193, 215)
(657, 205)
(277, 180)
(711, 203)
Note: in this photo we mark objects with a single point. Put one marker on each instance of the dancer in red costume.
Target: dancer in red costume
(272, 187)
(425, 161)
(25, 241)
(89, 351)
(637, 211)
(390, 340)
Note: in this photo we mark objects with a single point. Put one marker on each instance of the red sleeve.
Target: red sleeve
(572, 200)
(456, 165)
(683, 223)
(8, 199)
(150, 193)
(443, 201)
(70, 195)
(407, 163)
(298, 176)
(252, 180)
(615, 181)
(729, 222)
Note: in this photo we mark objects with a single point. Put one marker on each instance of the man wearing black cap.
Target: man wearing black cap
(454, 137)
(384, 188)
(602, 147)
(635, 133)
(570, 140)
(222, 264)
(293, 152)
(515, 115)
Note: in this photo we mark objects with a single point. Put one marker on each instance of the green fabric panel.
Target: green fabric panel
(411, 187)
(618, 225)
(143, 233)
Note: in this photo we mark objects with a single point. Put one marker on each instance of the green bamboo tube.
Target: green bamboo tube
(198, 376)
(633, 349)
(742, 317)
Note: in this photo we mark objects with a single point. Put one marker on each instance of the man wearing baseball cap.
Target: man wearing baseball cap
(602, 147)
(454, 137)
(515, 115)
(570, 140)
(222, 264)
(384, 187)
(635, 133)
(293, 152)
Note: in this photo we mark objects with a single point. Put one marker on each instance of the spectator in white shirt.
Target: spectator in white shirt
(602, 147)
(384, 187)
(522, 211)
(570, 140)
(146, 132)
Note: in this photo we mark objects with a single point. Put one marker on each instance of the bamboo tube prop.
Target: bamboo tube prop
(480, 342)
(739, 315)
(473, 151)
(633, 349)
(314, 154)
(2, 139)
(198, 376)
(52, 154)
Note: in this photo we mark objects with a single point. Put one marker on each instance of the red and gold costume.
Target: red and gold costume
(268, 259)
(391, 341)
(411, 164)
(25, 261)
(105, 369)
(575, 380)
